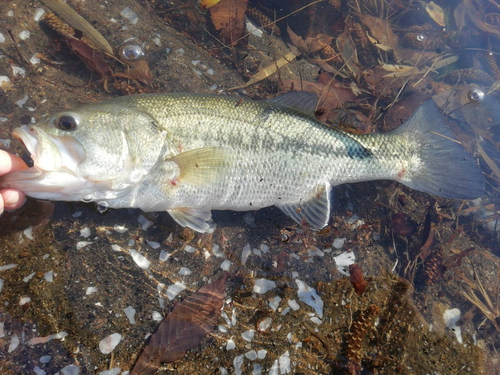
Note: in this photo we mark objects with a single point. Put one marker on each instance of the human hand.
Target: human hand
(11, 199)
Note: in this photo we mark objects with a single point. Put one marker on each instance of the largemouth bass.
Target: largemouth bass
(189, 154)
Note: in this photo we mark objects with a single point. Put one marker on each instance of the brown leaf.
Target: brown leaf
(311, 44)
(228, 17)
(348, 52)
(357, 279)
(380, 30)
(183, 328)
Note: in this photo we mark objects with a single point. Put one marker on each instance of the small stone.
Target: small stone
(230, 345)
(145, 223)
(263, 286)
(153, 244)
(85, 232)
(251, 355)
(38, 14)
(189, 249)
(24, 301)
(285, 366)
(130, 314)
(108, 344)
(164, 256)
(120, 228)
(90, 290)
(45, 359)
(261, 354)
(265, 324)
(338, 243)
(248, 335)
(14, 343)
(25, 34)
(157, 316)
(225, 265)
(81, 244)
(184, 271)
(49, 276)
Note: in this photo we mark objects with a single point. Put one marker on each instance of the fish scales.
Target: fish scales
(189, 154)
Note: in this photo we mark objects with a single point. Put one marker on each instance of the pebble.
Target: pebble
(108, 344)
(265, 324)
(2, 331)
(274, 303)
(164, 256)
(85, 232)
(35, 60)
(113, 371)
(81, 244)
(338, 243)
(189, 249)
(343, 261)
(45, 359)
(90, 290)
(451, 317)
(261, 354)
(157, 316)
(21, 102)
(293, 304)
(247, 250)
(145, 223)
(8, 267)
(29, 277)
(2, 38)
(225, 265)
(120, 228)
(39, 371)
(153, 244)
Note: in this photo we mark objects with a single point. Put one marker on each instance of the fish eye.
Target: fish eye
(66, 123)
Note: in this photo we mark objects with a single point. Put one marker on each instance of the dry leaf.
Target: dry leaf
(228, 16)
(206, 4)
(436, 13)
(183, 328)
(268, 70)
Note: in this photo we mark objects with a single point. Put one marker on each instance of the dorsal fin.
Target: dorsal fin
(302, 101)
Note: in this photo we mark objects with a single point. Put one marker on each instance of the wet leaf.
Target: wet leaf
(93, 58)
(436, 13)
(268, 70)
(311, 44)
(228, 16)
(381, 31)
(348, 52)
(357, 279)
(79, 23)
(403, 224)
(183, 328)
(206, 4)
(459, 15)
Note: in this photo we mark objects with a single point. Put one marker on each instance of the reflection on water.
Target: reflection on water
(77, 278)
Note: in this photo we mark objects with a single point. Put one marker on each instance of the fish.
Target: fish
(189, 154)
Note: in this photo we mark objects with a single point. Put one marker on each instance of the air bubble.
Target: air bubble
(476, 95)
(131, 52)
(420, 37)
(102, 206)
(87, 198)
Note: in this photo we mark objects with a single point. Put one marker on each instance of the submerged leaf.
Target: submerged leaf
(311, 44)
(206, 4)
(228, 16)
(183, 328)
(381, 31)
(436, 13)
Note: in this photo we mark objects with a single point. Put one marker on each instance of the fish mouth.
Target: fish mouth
(50, 153)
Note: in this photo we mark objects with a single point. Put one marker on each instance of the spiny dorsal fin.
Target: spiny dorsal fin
(302, 101)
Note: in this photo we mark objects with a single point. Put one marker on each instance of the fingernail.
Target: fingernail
(11, 198)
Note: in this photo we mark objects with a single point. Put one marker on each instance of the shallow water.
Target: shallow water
(72, 276)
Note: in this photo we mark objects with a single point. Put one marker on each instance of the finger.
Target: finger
(1, 204)
(10, 163)
(12, 199)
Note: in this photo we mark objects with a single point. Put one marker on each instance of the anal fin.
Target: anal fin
(316, 210)
(194, 218)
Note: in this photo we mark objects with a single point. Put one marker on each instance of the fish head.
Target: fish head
(93, 153)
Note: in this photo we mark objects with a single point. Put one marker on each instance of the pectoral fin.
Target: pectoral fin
(316, 211)
(201, 166)
(194, 218)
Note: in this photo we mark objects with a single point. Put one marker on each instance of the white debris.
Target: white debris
(49, 276)
(38, 14)
(265, 324)
(309, 296)
(164, 256)
(39, 371)
(217, 251)
(274, 368)
(130, 15)
(338, 243)
(2, 38)
(274, 303)
(108, 344)
(157, 41)
(157, 316)
(1, 284)
(261, 354)
(225, 265)
(184, 271)
(145, 223)
(14, 343)
(222, 329)
(77, 214)
(264, 248)
(45, 358)
(263, 286)
(81, 244)
(130, 314)
(140, 259)
(174, 289)
(343, 261)
(2, 332)
(120, 228)
(247, 250)
(316, 320)
(248, 218)
(251, 355)
(189, 249)
(21, 102)
(28, 232)
(8, 267)
(18, 71)
(29, 277)
(254, 30)
(35, 60)
(85, 232)
(24, 301)
(25, 34)
(153, 244)
(285, 367)
(237, 363)
(116, 247)
(230, 345)
(285, 311)
(113, 371)
(211, 72)
(70, 370)
(42, 340)
(315, 252)
(4, 81)
(90, 290)
(451, 318)
(248, 335)
(293, 304)
(10, 13)
(223, 371)
(4, 142)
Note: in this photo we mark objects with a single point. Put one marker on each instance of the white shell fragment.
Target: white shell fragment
(245, 253)
(130, 313)
(343, 261)
(285, 367)
(265, 324)
(164, 256)
(237, 363)
(338, 243)
(254, 30)
(85, 232)
(81, 244)
(140, 259)
(248, 335)
(113, 371)
(90, 290)
(108, 344)
(2, 332)
(38, 14)
(145, 223)
(8, 267)
(293, 304)
(70, 370)
(184, 271)
(225, 265)
(230, 345)
(451, 318)
(174, 289)
(25, 34)
(39, 371)
(153, 244)
(35, 60)
(251, 355)
(157, 316)
(29, 277)
(14, 343)
(130, 15)
(2, 38)
(120, 228)
(263, 286)
(309, 296)
(274, 303)
(24, 301)
(45, 358)
(49, 276)
(261, 354)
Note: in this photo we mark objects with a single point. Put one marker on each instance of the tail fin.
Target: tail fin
(443, 167)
